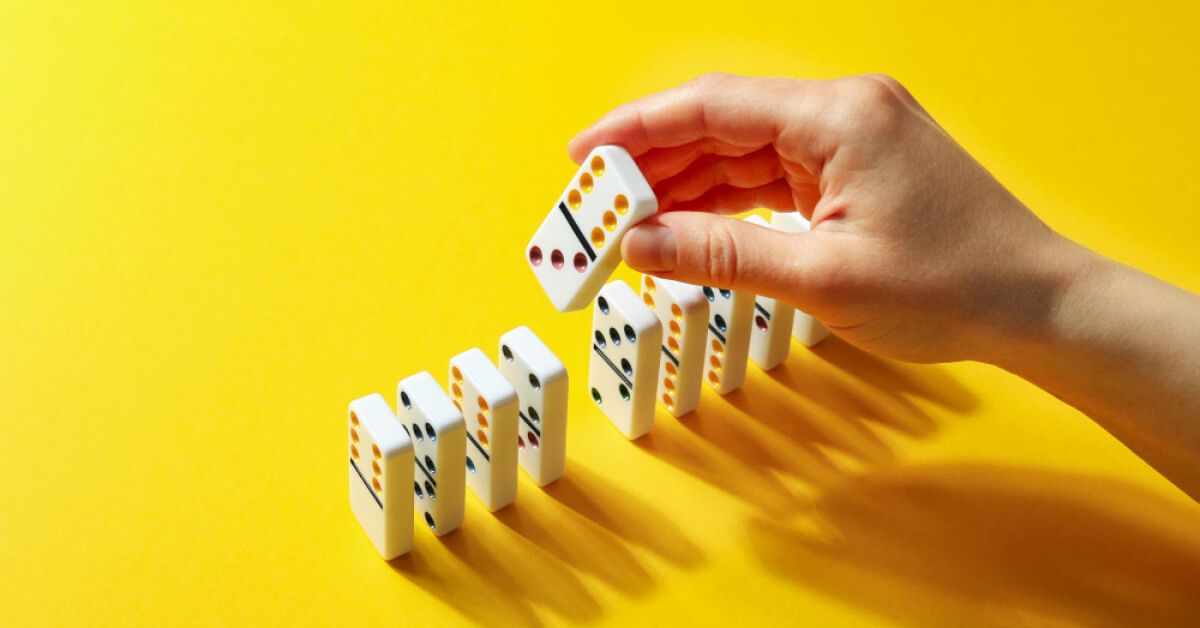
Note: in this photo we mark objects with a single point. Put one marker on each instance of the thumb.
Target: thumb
(703, 248)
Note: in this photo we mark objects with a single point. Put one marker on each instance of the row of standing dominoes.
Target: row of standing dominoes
(493, 417)
(709, 333)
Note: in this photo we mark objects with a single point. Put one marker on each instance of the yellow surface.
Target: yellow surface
(219, 224)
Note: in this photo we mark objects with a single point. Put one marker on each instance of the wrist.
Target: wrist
(1053, 295)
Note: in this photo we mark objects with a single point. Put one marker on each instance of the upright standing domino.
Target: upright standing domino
(381, 470)
(439, 489)
(626, 339)
(579, 243)
(771, 338)
(489, 406)
(540, 380)
(808, 330)
(729, 321)
(683, 312)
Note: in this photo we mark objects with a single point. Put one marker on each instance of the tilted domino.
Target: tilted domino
(770, 339)
(808, 330)
(683, 312)
(439, 435)
(489, 407)
(626, 340)
(540, 380)
(381, 470)
(578, 245)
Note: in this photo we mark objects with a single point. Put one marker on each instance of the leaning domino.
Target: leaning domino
(489, 406)
(683, 312)
(770, 339)
(436, 426)
(578, 245)
(540, 380)
(626, 339)
(381, 470)
(808, 330)
(729, 321)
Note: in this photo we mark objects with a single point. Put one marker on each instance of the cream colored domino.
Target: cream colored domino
(683, 312)
(622, 372)
(770, 338)
(808, 330)
(489, 406)
(540, 380)
(729, 319)
(578, 245)
(440, 446)
(381, 470)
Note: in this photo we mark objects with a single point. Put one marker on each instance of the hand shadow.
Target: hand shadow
(961, 545)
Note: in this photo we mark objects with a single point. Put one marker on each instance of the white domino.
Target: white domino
(683, 312)
(771, 338)
(622, 372)
(730, 314)
(439, 435)
(381, 470)
(540, 380)
(489, 407)
(578, 245)
(808, 330)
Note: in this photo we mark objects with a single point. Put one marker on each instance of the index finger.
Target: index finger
(740, 111)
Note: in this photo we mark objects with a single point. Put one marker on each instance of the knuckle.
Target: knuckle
(869, 104)
(721, 256)
(711, 81)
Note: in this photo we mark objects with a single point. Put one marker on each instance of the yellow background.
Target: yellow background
(220, 223)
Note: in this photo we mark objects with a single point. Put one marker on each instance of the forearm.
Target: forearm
(1123, 348)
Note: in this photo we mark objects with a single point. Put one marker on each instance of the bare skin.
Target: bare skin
(916, 251)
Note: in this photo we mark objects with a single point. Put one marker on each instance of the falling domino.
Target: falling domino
(578, 245)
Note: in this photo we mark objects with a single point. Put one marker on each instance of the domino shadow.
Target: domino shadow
(898, 380)
(865, 389)
(722, 448)
(595, 501)
(788, 423)
(953, 545)
(493, 576)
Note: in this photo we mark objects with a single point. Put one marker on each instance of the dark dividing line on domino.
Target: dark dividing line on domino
(612, 366)
(578, 234)
(426, 472)
(670, 356)
(531, 425)
(481, 451)
(762, 310)
(716, 333)
(364, 481)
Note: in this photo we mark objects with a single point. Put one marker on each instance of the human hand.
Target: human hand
(915, 252)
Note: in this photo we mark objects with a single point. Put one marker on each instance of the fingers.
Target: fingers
(726, 199)
(657, 164)
(706, 249)
(750, 171)
(736, 111)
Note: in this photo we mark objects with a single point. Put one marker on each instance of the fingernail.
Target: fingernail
(650, 248)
